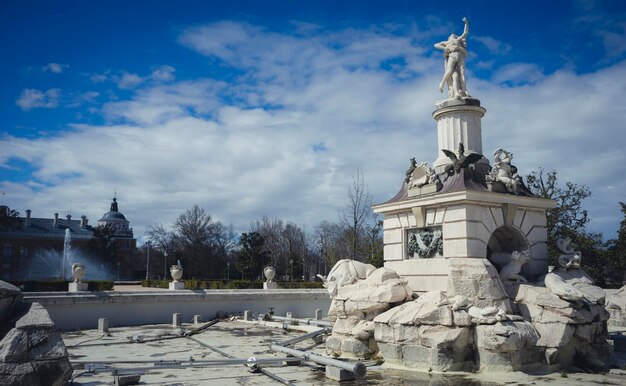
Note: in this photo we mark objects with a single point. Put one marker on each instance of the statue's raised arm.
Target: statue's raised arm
(455, 50)
(465, 30)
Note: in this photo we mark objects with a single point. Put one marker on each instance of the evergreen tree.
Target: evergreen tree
(252, 257)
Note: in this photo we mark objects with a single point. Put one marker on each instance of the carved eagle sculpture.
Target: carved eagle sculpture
(462, 161)
(410, 170)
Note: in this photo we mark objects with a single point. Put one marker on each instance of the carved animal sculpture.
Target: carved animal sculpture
(460, 162)
(345, 272)
(510, 272)
(568, 258)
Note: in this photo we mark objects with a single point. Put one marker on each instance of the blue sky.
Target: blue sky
(252, 108)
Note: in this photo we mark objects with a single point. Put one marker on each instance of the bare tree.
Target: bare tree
(358, 209)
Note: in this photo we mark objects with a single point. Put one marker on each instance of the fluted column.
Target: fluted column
(458, 121)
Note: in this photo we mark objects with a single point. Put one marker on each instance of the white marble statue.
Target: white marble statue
(511, 271)
(345, 272)
(454, 52)
(504, 172)
(569, 282)
(176, 270)
(269, 273)
(78, 271)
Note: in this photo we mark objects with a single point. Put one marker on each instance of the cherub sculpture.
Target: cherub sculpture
(504, 172)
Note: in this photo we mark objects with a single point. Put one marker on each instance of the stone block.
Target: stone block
(393, 252)
(405, 334)
(392, 353)
(339, 374)
(455, 213)
(537, 234)
(498, 216)
(247, 315)
(364, 330)
(333, 345)
(176, 286)
(77, 287)
(391, 222)
(383, 333)
(355, 348)
(506, 336)
(533, 219)
(554, 334)
(177, 319)
(393, 236)
(103, 325)
(487, 219)
(461, 318)
(269, 285)
(318, 314)
(441, 337)
(430, 217)
(36, 317)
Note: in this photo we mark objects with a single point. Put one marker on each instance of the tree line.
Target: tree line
(209, 249)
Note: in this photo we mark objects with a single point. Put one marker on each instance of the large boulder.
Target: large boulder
(32, 352)
(616, 305)
(355, 306)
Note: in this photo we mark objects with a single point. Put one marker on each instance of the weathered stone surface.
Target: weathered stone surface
(554, 334)
(363, 330)
(355, 348)
(441, 337)
(478, 280)
(461, 318)
(9, 295)
(31, 350)
(574, 285)
(616, 306)
(506, 336)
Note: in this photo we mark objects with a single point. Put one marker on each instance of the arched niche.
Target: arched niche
(502, 242)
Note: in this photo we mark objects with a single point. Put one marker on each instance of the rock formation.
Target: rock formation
(354, 308)
(31, 350)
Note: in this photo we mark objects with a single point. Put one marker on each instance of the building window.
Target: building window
(8, 250)
(23, 251)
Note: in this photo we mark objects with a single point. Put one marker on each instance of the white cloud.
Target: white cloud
(32, 98)
(129, 81)
(163, 74)
(494, 46)
(248, 148)
(55, 68)
(518, 73)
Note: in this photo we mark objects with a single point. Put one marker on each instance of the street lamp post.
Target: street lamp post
(165, 265)
(148, 261)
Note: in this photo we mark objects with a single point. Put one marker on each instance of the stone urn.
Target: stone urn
(176, 271)
(269, 273)
(78, 271)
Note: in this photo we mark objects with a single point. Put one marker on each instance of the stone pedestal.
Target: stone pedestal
(78, 287)
(270, 285)
(474, 224)
(177, 285)
(459, 121)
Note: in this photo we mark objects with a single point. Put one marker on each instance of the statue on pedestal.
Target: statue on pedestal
(454, 52)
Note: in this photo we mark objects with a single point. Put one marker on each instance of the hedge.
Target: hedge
(229, 284)
(60, 286)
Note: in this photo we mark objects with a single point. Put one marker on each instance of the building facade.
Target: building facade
(32, 247)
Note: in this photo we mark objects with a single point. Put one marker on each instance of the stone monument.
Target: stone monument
(465, 284)
(475, 211)
(269, 273)
(176, 270)
(78, 271)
